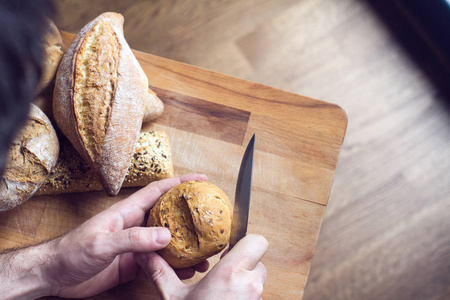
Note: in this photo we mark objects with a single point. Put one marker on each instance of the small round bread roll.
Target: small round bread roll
(154, 107)
(31, 156)
(198, 215)
(53, 52)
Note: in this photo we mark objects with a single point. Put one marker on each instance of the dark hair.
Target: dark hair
(23, 24)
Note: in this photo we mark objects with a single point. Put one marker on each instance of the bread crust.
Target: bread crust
(154, 107)
(151, 161)
(198, 215)
(107, 147)
(31, 157)
(53, 52)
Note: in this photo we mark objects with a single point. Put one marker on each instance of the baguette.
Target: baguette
(151, 161)
(99, 99)
(31, 157)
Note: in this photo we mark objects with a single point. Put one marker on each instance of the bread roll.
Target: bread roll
(99, 99)
(151, 161)
(154, 107)
(198, 215)
(53, 52)
(31, 157)
(44, 102)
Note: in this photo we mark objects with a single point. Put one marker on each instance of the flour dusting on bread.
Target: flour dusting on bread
(31, 157)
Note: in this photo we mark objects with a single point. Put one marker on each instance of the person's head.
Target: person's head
(23, 24)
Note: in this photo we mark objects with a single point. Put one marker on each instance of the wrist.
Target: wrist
(22, 275)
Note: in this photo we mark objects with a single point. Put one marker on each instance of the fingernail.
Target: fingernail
(161, 236)
(140, 258)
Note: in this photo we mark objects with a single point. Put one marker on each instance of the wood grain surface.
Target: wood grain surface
(209, 118)
(385, 231)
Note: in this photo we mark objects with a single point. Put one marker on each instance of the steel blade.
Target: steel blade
(242, 197)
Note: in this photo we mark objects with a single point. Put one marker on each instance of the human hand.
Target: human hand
(238, 275)
(98, 255)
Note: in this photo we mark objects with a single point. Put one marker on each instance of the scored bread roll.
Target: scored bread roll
(151, 161)
(31, 157)
(53, 52)
(99, 99)
(198, 215)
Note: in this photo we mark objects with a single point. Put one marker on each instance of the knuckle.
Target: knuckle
(94, 246)
(230, 274)
(157, 274)
(263, 271)
(252, 284)
(134, 236)
(257, 288)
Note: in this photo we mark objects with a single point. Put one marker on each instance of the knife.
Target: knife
(242, 197)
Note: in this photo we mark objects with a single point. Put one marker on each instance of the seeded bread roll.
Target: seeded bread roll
(99, 99)
(31, 157)
(53, 52)
(151, 161)
(198, 215)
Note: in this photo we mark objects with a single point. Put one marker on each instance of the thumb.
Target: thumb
(162, 275)
(138, 239)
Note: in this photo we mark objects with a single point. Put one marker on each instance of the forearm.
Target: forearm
(21, 272)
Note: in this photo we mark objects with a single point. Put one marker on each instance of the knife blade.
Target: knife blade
(242, 197)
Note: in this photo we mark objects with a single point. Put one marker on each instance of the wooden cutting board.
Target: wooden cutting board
(209, 118)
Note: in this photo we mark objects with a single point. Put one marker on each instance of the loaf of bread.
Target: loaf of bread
(151, 161)
(198, 215)
(53, 52)
(31, 157)
(99, 99)
(154, 107)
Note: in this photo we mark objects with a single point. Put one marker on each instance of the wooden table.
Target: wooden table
(209, 118)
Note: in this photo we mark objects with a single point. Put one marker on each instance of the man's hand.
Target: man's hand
(113, 247)
(238, 275)
(98, 255)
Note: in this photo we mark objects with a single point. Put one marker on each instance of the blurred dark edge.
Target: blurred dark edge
(422, 27)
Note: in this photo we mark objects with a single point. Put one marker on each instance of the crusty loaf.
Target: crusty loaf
(151, 161)
(99, 99)
(31, 157)
(53, 52)
(154, 107)
(198, 215)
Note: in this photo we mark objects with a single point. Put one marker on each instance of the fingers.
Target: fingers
(256, 280)
(147, 196)
(137, 239)
(247, 252)
(260, 271)
(162, 275)
(165, 185)
(202, 266)
(133, 209)
(240, 274)
(187, 273)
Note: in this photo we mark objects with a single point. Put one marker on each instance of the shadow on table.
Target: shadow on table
(423, 30)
